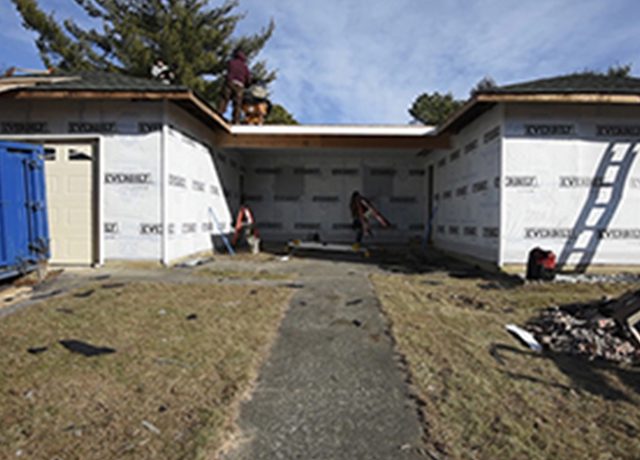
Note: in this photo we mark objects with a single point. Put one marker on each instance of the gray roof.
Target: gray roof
(571, 84)
(103, 81)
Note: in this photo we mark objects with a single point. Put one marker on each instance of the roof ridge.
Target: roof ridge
(577, 82)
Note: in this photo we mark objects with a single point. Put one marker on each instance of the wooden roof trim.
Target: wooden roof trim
(98, 94)
(13, 87)
(183, 96)
(269, 141)
(457, 114)
(580, 98)
(204, 107)
(600, 98)
(35, 79)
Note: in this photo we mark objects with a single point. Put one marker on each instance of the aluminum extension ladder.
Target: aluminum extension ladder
(611, 175)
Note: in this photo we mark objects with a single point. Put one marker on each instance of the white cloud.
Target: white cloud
(365, 61)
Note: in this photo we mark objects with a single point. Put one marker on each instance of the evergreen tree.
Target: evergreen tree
(127, 36)
(435, 108)
(280, 116)
(614, 71)
(486, 84)
(622, 71)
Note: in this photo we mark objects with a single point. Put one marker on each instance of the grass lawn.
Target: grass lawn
(487, 397)
(184, 356)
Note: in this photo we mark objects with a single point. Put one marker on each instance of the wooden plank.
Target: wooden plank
(182, 96)
(589, 98)
(85, 94)
(30, 81)
(582, 98)
(4, 88)
(210, 112)
(258, 141)
(457, 114)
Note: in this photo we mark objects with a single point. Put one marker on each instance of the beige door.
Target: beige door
(69, 178)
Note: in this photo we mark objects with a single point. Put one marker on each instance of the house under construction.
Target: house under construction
(140, 170)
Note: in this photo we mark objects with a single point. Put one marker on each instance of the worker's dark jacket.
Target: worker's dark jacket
(238, 70)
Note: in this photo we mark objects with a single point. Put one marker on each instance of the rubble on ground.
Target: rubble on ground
(589, 330)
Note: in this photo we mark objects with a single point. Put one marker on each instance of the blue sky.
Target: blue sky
(365, 61)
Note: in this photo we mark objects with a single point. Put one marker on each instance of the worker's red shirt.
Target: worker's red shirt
(239, 71)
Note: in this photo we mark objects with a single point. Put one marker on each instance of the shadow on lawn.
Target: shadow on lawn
(586, 375)
(409, 260)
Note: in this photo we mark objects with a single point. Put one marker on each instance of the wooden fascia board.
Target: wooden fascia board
(457, 114)
(577, 98)
(184, 96)
(568, 98)
(204, 107)
(12, 87)
(270, 141)
(87, 94)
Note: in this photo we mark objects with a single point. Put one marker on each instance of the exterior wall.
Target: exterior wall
(128, 173)
(466, 190)
(194, 192)
(132, 181)
(198, 193)
(228, 164)
(557, 167)
(296, 195)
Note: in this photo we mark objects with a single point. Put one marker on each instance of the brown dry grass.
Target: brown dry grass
(183, 377)
(487, 397)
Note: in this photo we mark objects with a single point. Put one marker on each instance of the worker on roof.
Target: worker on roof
(238, 78)
(161, 71)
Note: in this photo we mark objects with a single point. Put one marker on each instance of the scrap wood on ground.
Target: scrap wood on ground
(597, 329)
(135, 370)
(485, 395)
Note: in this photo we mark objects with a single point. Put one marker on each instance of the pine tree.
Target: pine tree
(280, 116)
(434, 108)
(127, 36)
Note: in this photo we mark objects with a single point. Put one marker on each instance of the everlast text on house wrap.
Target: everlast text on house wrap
(127, 178)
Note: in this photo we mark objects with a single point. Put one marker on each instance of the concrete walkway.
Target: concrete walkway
(332, 387)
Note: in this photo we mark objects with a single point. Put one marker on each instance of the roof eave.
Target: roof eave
(333, 141)
(585, 97)
(480, 103)
(186, 96)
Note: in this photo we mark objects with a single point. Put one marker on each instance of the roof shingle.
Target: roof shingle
(571, 84)
(103, 81)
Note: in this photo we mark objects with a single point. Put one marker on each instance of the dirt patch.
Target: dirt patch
(259, 275)
(142, 370)
(14, 294)
(485, 396)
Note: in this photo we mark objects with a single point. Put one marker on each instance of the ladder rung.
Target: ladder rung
(601, 205)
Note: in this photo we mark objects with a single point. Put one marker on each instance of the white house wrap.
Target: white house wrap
(550, 163)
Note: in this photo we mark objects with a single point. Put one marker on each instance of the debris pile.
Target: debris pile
(596, 330)
(591, 278)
